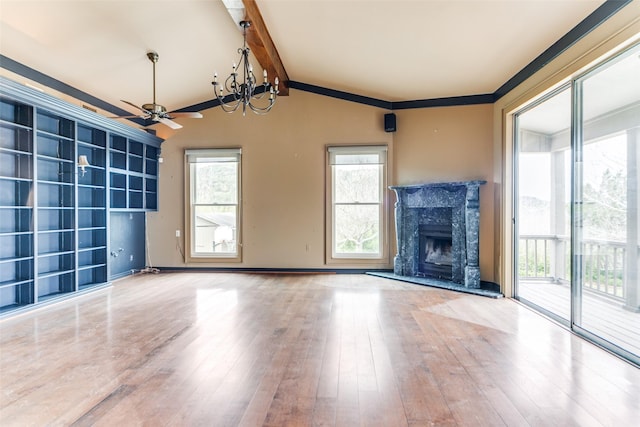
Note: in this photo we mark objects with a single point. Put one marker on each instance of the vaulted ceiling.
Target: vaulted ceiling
(391, 50)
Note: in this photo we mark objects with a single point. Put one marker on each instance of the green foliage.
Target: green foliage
(604, 211)
(532, 261)
(216, 183)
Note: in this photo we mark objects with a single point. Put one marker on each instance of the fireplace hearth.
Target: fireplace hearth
(437, 232)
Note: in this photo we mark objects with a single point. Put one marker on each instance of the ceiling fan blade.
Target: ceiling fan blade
(187, 115)
(139, 116)
(135, 106)
(170, 123)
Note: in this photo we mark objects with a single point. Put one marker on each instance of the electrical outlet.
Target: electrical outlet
(177, 233)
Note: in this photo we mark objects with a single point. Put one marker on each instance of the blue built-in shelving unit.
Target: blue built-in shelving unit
(54, 218)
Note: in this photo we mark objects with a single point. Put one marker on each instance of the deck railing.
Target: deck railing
(547, 257)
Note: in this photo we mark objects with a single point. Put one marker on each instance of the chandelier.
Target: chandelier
(246, 91)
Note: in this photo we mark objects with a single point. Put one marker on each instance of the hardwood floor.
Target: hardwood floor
(222, 349)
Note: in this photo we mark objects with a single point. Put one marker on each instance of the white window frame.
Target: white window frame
(193, 157)
(332, 256)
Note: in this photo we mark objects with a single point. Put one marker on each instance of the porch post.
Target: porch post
(558, 213)
(631, 283)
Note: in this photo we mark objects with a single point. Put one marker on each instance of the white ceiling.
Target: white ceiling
(394, 50)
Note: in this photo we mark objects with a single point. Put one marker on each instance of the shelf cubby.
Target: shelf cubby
(15, 192)
(92, 276)
(55, 147)
(15, 220)
(91, 238)
(135, 183)
(136, 199)
(93, 196)
(15, 138)
(136, 148)
(151, 167)
(53, 284)
(15, 294)
(16, 165)
(16, 246)
(95, 156)
(19, 270)
(94, 177)
(92, 257)
(54, 124)
(55, 264)
(49, 243)
(118, 152)
(52, 170)
(55, 195)
(91, 135)
(118, 190)
(55, 219)
(151, 194)
(16, 112)
(92, 217)
(135, 163)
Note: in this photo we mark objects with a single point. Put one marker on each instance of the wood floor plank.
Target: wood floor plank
(227, 349)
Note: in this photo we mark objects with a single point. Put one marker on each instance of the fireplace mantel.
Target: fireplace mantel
(454, 203)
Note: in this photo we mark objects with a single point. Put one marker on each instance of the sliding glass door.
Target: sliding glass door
(577, 190)
(607, 300)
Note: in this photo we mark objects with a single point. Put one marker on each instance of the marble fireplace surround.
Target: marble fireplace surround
(436, 204)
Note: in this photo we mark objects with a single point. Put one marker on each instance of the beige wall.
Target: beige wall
(283, 161)
(284, 172)
(450, 144)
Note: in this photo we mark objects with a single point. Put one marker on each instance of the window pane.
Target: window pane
(357, 183)
(357, 229)
(214, 176)
(215, 229)
(215, 183)
(544, 195)
(357, 159)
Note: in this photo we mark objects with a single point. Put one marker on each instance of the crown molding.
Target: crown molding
(597, 17)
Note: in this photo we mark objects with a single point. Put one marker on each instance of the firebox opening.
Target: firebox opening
(436, 252)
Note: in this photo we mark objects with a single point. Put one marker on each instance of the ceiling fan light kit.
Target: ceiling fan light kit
(156, 112)
(247, 91)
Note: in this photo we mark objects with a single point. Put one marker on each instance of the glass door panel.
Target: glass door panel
(543, 172)
(607, 197)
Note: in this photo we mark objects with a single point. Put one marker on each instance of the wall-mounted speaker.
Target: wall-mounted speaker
(390, 122)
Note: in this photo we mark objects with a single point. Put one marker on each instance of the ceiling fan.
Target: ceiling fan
(156, 112)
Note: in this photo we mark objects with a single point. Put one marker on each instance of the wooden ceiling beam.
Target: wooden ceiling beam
(263, 48)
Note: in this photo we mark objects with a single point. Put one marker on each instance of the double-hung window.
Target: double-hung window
(213, 220)
(357, 217)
